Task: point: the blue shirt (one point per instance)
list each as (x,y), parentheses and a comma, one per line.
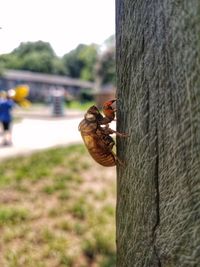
(6,106)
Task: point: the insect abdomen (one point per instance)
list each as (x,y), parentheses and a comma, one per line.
(99,151)
(102,158)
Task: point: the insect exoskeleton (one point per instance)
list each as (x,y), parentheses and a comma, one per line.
(97,139)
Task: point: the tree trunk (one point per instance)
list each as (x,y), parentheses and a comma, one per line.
(158,81)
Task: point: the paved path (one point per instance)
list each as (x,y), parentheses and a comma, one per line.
(39,130)
(33,134)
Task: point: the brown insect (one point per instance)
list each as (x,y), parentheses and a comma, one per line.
(97,137)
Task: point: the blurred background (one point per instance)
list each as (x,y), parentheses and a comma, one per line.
(57,206)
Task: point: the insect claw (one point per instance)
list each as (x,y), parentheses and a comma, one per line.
(122,134)
(109,103)
(125,135)
(108,111)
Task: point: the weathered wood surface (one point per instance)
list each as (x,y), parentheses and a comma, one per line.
(158,81)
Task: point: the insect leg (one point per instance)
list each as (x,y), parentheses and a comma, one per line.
(110,143)
(108,131)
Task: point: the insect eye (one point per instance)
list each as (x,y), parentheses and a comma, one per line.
(90,117)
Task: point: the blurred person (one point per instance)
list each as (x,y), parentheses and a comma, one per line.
(6,106)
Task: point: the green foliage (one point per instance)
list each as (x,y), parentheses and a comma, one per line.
(86,95)
(108,67)
(37,47)
(88,55)
(10,61)
(105,68)
(80,62)
(73,63)
(58,66)
(33,56)
(39,62)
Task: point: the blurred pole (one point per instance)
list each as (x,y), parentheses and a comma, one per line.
(58,102)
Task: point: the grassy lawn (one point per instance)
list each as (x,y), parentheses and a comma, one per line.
(57,208)
(79,106)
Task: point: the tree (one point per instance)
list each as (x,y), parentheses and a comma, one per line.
(105,66)
(88,55)
(38,62)
(34,56)
(29,47)
(79,63)
(158,81)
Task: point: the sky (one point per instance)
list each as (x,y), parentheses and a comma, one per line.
(63,23)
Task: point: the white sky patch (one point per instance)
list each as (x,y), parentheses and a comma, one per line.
(62,23)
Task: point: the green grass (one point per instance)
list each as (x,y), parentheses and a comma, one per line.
(79,106)
(40,165)
(57,209)
(12,215)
